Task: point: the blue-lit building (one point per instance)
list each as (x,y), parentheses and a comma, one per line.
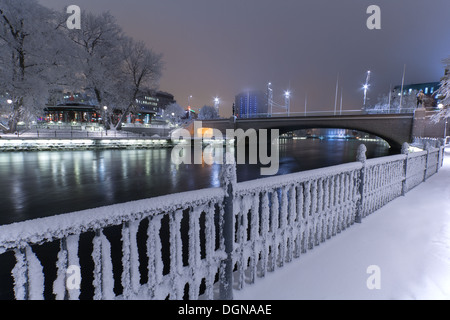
(429,89)
(251,104)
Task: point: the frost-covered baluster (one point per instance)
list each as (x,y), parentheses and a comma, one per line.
(240,241)
(353,194)
(67,256)
(243,231)
(20,275)
(319,215)
(155,264)
(176,254)
(346,198)
(337,191)
(265,213)
(274,218)
(103,272)
(210,242)
(194,251)
(28,275)
(361,157)
(228,214)
(326,208)
(292,230)
(254,237)
(62,263)
(341,201)
(300,221)
(306,215)
(333,206)
(283,224)
(130,259)
(312,216)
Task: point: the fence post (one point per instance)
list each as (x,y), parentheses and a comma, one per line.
(361,157)
(405,151)
(427,148)
(228,182)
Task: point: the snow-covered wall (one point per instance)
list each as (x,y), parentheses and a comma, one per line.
(274,220)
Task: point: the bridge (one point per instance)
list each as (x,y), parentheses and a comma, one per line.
(393,128)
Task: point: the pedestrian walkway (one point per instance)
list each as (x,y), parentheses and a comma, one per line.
(401,251)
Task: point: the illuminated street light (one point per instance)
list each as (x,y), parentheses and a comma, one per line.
(9,101)
(287,101)
(366,88)
(440,105)
(216,104)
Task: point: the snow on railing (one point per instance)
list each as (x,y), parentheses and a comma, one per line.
(206,243)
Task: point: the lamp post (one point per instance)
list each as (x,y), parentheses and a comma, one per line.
(105,120)
(287,101)
(217,104)
(366,88)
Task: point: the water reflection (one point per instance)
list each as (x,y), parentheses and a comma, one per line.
(47,183)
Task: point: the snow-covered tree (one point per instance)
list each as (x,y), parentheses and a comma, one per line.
(139,71)
(97,56)
(443,94)
(208,113)
(174,112)
(392,105)
(32,55)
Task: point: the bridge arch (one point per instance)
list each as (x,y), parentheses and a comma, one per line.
(395,129)
(392,143)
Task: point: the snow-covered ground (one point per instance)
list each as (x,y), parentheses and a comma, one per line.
(408,242)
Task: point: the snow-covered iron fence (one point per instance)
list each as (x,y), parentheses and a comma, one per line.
(207,243)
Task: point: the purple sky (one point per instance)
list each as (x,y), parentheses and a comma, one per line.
(222,47)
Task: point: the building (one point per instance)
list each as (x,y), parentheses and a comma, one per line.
(429,89)
(152,105)
(68,107)
(251,104)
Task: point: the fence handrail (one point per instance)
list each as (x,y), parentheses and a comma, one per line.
(291,178)
(38,231)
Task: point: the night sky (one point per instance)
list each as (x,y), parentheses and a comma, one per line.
(222,47)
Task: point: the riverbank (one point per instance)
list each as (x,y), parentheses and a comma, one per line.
(59,144)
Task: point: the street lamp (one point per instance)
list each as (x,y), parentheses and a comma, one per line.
(9,101)
(216,104)
(366,88)
(105,120)
(287,101)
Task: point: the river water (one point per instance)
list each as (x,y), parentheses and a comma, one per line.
(39,184)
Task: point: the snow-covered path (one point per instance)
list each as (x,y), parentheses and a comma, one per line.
(408,241)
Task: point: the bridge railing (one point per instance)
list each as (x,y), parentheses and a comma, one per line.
(205,243)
